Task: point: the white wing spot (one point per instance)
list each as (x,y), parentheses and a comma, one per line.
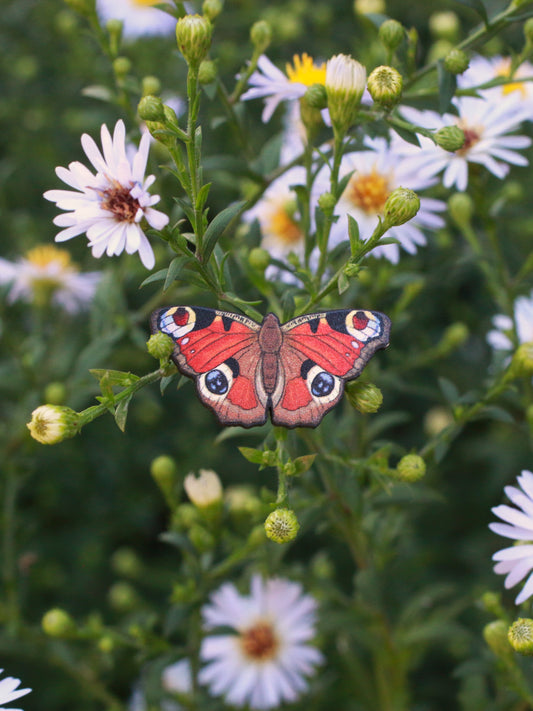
(184,341)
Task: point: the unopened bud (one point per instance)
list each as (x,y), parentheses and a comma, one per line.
(205,489)
(281,526)
(365,397)
(461,208)
(261,35)
(151,85)
(391,34)
(385,86)
(126,562)
(436,420)
(444,25)
(410,468)
(164,470)
(451,138)
(211,9)
(521,636)
(157,128)
(345,84)
(150,108)
(454,336)
(51,424)
(259,258)
(193,34)
(184,517)
(316,96)
(207,72)
(106,644)
(121,67)
(327,203)
(58,623)
(369,7)
(401,206)
(160,346)
(270,458)
(522,360)
(456,61)
(123,597)
(439,49)
(496,637)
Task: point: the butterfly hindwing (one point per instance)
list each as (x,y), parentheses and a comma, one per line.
(220,351)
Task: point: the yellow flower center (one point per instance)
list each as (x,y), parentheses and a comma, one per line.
(47,254)
(304,71)
(368,191)
(145,3)
(284,227)
(259,642)
(504,70)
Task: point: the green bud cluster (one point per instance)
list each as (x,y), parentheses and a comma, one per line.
(281,526)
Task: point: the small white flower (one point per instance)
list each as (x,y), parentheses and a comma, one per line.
(266,661)
(486,125)
(138,16)
(205,489)
(517,561)
(523,317)
(271,83)
(482,70)
(375,174)
(177,677)
(47,273)
(345,74)
(9,692)
(110,205)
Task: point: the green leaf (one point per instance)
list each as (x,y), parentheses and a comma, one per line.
(304,463)
(343,283)
(447,85)
(406,134)
(202,196)
(156,276)
(449,390)
(114,377)
(121,412)
(252,455)
(353,233)
(218,225)
(174,268)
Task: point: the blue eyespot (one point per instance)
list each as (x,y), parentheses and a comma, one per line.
(323,384)
(216,382)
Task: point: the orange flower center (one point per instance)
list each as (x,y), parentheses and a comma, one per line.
(472,136)
(259,642)
(284,226)
(304,71)
(119,201)
(368,191)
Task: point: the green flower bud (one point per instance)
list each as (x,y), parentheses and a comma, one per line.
(150,108)
(51,424)
(521,636)
(55,393)
(281,526)
(345,84)
(391,34)
(410,468)
(58,623)
(444,25)
(193,34)
(185,516)
(327,202)
(207,72)
(522,360)
(351,270)
(160,346)
(151,85)
(204,490)
(461,209)
(123,597)
(164,471)
(202,539)
(436,420)
(211,9)
(369,7)
(270,458)
(496,637)
(121,67)
(385,86)
(456,61)
(512,190)
(528,30)
(316,96)
(106,644)
(401,206)
(261,35)
(451,138)
(157,128)
(322,567)
(454,336)
(126,562)
(87,8)
(259,259)
(439,49)
(365,397)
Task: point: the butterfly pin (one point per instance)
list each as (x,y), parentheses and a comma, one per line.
(296,370)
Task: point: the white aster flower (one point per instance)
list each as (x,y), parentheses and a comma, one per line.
(9,692)
(265,662)
(110,205)
(486,125)
(205,489)
(271,83)
(376,172)
(139,17)
(517,561)
(46,274)
(482,70)
(523,319)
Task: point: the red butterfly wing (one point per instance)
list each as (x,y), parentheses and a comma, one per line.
(319,353)
(220,351)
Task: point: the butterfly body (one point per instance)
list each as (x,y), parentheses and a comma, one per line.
(296,371)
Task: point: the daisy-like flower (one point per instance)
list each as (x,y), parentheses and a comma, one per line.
(110,205)
(266,661)
(482,70)
(278,217)
(376,172)
(139,17)
(9,692)
(46,274)
(486,126)
(517,561)
(523,318)
(271,83)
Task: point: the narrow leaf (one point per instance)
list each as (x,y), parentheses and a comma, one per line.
(447,86)
(353,233)
(409,136)
(174,268)
(252,455)
(218,225)
(121,412)
(343,283)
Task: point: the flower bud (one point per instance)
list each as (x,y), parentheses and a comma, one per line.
(259,258)
(261,35)
(164,471)
(316,96)
(207,72)
(451,138)
(211,9)
(202,539)
(55,393)
(204,490)
(456,61)
(401,206)
(521,636)
(391,34)
(410,468)
(345,84)
(444,25)
(106,644)
(522,360)
(385,86)
(269,459)
(369,7)
(160,346)
(193,34)
(461,209)
(125,562)
(327,203)
(436,420)
(496,637)
(123,597)
(454,336)
(365,397)
(150,108)
(58,623)
(150,85)
(281,526)
(157,129)
(439,49)
(184,517)
(121,67)
(51,424)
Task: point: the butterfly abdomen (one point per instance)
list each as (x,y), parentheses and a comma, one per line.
(270,340)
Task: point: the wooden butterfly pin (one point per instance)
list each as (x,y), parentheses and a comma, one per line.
(296,370)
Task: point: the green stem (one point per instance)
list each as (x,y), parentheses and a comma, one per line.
(12,615)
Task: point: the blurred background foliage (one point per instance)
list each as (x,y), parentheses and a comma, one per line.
(85,500)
